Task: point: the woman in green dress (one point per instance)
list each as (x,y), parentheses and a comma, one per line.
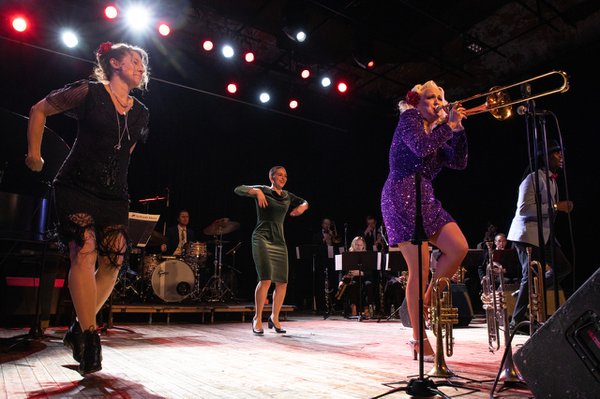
(269,249)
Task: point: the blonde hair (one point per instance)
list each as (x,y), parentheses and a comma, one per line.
(404,106)
(103,70)
(274,170)
(354,241)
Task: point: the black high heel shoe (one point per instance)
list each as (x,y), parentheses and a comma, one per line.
(272,325)
(72,339)
(256,330)
(91,360)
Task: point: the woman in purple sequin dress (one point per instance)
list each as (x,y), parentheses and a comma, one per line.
(424,143)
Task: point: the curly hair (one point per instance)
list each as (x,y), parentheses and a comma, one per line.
(103,70)
(405,103)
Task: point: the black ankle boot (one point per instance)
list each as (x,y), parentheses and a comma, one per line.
(72,339)
(91,360)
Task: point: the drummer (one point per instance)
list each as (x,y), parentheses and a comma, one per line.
(179,235)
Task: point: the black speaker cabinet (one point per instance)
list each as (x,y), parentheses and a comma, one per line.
(562,358)
(460,300)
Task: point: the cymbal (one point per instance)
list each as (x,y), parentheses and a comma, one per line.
(157,239)
(221,226)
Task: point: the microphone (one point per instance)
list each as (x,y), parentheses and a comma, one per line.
(523,110)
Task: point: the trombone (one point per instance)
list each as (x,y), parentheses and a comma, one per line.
(498,101)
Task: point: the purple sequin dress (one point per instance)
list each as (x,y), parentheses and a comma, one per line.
(414,151)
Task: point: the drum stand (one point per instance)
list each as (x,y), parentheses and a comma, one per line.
(215,289)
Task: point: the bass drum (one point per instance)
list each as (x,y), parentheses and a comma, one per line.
(173,281)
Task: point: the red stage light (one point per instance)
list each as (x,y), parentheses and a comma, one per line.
(19,24)
(305,73)
(371,64)
(207,45)
(249,56)
(232,88)
(111,12)
(293,104)
(164,29)
(342,87)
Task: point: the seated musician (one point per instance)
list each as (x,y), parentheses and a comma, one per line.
(179,235)
(350,284)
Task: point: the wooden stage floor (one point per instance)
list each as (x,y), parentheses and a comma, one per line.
(333,358)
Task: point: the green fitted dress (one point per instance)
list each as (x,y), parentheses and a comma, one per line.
(268,242)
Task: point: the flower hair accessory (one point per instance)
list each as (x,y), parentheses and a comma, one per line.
(104,48)
(412,98)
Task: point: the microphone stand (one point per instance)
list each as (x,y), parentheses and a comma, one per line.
(421,386)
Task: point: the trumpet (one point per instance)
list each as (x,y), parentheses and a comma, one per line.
(535,285)
(443,317)
(498,101)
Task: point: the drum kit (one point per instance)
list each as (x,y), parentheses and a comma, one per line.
(179,278)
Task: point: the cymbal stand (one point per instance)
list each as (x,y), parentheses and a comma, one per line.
(215,286)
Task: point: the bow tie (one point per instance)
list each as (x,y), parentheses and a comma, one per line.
(554,176)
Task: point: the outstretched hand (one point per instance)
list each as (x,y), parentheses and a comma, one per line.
(260,198)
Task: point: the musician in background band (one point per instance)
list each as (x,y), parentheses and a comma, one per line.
(179,235)
(328,234)
(500,243)
(426,140)
(90,190)
(524,227)
(371,235)
(351,281)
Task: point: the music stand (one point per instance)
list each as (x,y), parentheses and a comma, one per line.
(313,251)
(141,226)
(360,261)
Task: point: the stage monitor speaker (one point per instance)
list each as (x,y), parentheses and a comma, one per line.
(562,358)
(460,300)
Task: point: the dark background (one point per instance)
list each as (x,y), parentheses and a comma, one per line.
(201,146)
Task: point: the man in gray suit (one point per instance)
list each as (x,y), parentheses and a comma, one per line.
(523,230)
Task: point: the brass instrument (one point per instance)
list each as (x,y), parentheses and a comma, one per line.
(498,101)
(535,284)
(494,304)
(335,238)
(443,316)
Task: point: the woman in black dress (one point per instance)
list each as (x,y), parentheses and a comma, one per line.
(269,249)
(90,190)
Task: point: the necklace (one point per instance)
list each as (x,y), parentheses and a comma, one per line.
(121,134)
(126,105)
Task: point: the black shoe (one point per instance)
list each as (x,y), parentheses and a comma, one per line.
(272,325)
(91,360)
(257,331)
(72,339)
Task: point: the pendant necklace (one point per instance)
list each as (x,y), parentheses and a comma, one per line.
(121,134)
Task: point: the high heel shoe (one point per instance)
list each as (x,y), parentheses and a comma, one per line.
(256,330)
(72,339)
(272,325)
(414,344)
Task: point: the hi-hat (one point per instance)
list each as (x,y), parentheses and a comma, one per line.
(221,226)
(157,239)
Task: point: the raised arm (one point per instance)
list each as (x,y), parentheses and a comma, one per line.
(412,131)
(252,191)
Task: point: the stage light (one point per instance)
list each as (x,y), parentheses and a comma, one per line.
(69,39)
(111,12)
(207,45)
(342,87)
(137,17)
(295,21)
(19,24)
(293,104)
(228,51)
(264,97)
(300,36)
(164,29)
(232,88)
(326,82)
(305,73)
(249,56)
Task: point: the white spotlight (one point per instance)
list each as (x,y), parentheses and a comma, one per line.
(69,39)
(228,51)
(325,82)
(300,36)
(264,97)
(138,17)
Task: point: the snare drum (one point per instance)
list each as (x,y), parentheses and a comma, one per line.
(173,280)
